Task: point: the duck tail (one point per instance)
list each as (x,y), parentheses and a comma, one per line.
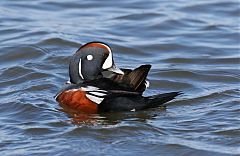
(159,99)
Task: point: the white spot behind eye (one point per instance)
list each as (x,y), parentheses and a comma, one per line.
(89,57)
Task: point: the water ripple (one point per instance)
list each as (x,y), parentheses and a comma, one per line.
(193,47)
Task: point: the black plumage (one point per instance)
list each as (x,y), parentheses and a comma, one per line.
(121,90)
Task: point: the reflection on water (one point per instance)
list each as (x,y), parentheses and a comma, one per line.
(107,119)
(192,46)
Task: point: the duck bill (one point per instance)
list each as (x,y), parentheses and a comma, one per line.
(115,69)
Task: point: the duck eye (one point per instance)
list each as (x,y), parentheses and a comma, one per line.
(89,57)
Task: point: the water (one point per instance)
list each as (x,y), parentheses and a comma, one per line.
(193,46)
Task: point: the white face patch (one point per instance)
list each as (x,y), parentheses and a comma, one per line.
(80,68)
(89,57)
(108,62)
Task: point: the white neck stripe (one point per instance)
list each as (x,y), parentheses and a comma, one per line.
(80,68)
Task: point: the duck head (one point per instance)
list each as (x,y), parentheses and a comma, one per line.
(90,60)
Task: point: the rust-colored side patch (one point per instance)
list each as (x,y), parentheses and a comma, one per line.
(76,100)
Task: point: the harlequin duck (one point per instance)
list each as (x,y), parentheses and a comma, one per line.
(100,51)
(90,92)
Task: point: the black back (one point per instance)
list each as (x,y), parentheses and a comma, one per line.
(135,79)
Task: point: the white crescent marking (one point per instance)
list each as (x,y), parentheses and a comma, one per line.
(108,62)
